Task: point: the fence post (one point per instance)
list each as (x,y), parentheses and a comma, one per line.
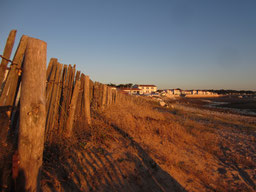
(32,116)
(87,99)
(104,96)
(72,109)
(7,54)
(53,101)
(12,81)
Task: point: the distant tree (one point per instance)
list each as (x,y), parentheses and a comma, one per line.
(111,85)
(128,85)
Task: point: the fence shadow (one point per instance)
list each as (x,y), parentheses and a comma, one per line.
(99,169)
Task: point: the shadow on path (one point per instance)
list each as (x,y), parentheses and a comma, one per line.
(102,169)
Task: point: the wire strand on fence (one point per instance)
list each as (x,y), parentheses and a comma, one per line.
(12,63)
(19,70)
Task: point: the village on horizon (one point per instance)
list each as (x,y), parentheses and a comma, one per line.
(151,90)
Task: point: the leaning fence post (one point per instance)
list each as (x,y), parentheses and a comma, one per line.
(7,54)
(32,116)
(12,81)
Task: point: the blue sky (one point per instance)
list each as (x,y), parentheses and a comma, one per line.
(190,44)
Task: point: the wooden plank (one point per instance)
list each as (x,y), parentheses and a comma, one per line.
(81,111)
(111,96)
(69,89)
(70,84)
(95,94)
(107,96)
(7,54)
(50,68)
(115,96)
(104,96)
(70,120)
(87,100)
(78,113)
(51,109)
(77,76)
(49,88)
(12,82)
(98,98)
(7,99)
(56,111)
(32,116)
(50,79)
(63,98)
(91,90)
(100,95)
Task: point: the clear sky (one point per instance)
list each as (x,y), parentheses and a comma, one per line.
(187,44)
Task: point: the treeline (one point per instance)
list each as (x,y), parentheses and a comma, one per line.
(128,85)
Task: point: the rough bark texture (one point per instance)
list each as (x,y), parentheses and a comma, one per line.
(32,116)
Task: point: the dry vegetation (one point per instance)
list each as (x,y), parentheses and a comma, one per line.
(135,145)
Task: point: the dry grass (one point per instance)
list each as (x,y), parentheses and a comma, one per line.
(188,143)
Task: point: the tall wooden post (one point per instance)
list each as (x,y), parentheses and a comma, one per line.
(7,54)
(32,116)
(87,99)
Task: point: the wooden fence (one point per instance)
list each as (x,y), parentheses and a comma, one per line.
(36,104)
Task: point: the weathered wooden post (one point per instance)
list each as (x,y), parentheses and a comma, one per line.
(50,68)
(72,109)
(32,116)
(7,54)
(6,102)
(104,96)
(109,96)
(87,99)
(11,84)
(91,91)
(62,118)
(53,101)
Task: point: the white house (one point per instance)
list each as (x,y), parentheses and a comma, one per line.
(170,91)
(146,89)
(177,91)
(187,92)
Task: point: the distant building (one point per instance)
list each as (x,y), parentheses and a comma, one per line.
(187,92)
(146,89)
(173,91)
(170,91)
(132,91)
(177,91)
